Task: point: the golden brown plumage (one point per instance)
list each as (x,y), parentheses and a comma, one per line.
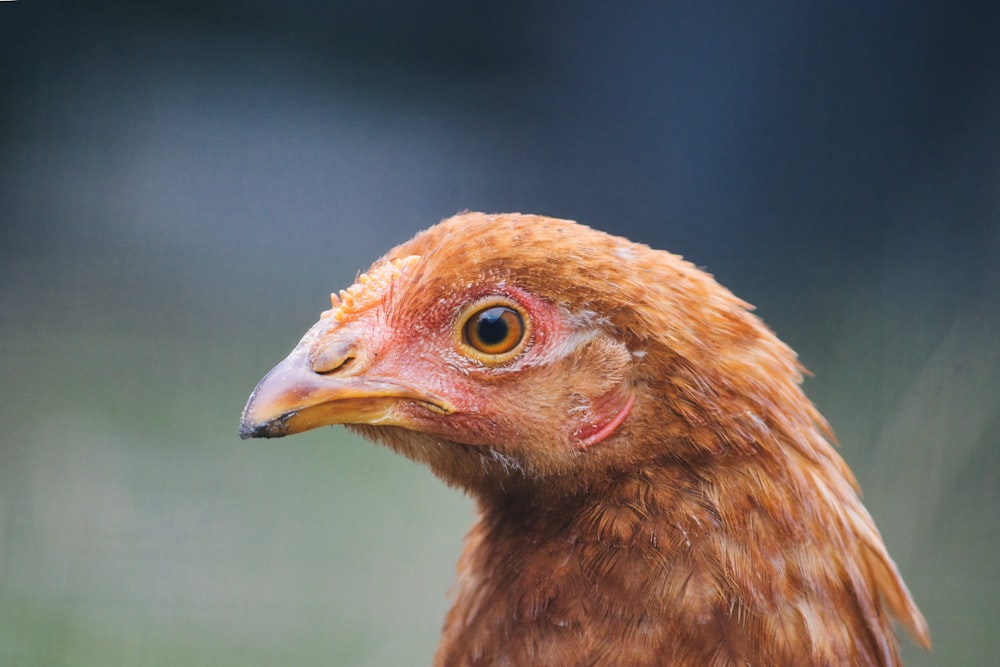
(653,486)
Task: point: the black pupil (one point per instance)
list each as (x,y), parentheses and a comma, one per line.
(491,326)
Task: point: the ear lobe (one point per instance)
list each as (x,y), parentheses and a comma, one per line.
(604,416)
(600,372)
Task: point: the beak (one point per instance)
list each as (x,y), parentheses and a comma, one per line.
(294,397)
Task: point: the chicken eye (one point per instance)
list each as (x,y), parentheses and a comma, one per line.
(493,330)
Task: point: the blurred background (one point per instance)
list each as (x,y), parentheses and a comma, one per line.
(183,184)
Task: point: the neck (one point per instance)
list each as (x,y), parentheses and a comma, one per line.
(659,565)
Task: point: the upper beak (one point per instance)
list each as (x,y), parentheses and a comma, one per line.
(294,397)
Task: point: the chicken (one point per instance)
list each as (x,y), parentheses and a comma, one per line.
(653,487)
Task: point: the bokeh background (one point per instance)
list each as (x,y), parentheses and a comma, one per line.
(182,185)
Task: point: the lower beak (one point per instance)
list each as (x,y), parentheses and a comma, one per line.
(293,398)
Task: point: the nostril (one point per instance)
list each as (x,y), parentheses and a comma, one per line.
(344,364)
(333,358)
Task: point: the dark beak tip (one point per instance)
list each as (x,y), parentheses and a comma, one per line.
(276,428)
(248,430)
(265,430)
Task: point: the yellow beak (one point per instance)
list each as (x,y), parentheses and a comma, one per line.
(293,398)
